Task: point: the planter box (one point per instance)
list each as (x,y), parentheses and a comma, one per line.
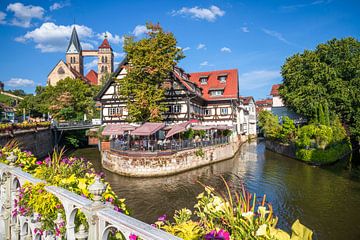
(93,140)
(105,146)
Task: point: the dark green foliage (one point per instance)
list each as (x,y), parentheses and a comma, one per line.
(189,134)
(326,114)
(70,99)
(321,115)
(329,74)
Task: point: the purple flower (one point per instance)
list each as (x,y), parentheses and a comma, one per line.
(162,218)
(133,237)
(220,235)
(38,162)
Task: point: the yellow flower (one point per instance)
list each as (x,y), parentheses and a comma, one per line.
(261,230)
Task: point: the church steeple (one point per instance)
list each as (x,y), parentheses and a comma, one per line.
(74,44)
(74,56)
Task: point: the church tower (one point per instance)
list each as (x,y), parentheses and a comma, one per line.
(105,60)
(74,53)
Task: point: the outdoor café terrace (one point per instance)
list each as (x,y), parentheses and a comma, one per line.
(156,139)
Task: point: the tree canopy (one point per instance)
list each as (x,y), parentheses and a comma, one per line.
(151,60)
(328,75)
(70,99)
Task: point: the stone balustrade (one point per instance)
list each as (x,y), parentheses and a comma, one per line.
(101,218)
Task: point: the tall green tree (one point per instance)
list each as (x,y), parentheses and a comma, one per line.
(151,60)
(330,73)
(70,99)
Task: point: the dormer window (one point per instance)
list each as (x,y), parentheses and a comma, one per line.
(222,78)
(203,80)
(216,92)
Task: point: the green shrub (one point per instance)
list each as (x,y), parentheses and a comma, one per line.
(329,155)
(287,132)
(269,124)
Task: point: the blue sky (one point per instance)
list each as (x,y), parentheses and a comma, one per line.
(253,36)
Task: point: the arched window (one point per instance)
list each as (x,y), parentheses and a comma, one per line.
(105,59)
(105,68)
(102,68)
(61,70)
(102,59)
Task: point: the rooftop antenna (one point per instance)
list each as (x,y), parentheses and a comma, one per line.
(74,21)
(105,35)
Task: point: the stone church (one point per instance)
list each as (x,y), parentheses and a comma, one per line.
(74,65)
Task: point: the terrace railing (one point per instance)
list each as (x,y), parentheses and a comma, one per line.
(101,217)
(163,146)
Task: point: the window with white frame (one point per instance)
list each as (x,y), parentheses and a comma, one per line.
(207,112)
(216,92)
(222,78)
(224,111)
(115,111)
(203,80)
(177,108)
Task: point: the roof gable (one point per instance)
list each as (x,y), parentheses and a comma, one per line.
(92,77)
(105,44)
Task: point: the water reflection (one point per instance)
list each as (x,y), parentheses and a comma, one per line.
(325,199)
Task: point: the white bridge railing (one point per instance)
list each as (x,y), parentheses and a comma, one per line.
(102,219)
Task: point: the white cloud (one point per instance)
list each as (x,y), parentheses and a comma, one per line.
(23,15)
(50,37)
(209,14)
(225,49)
(276,35)
(115,39)
(205,63)
(245,29)
(91,65)
(201,46)
(140,30)
(59,5)
(20,82)
(186,49)
(86,45)
(258,79)
(2,18)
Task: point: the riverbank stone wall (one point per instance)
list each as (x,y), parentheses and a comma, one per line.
(39,142)
(288,150)
(167,165)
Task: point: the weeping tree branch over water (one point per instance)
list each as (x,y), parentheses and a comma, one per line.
(151,60)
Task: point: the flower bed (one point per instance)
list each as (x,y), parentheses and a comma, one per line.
(5,127)
(230,215)
(71,173)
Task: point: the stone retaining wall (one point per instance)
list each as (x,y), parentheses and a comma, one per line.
(39,142)
(167,165)
(288,150)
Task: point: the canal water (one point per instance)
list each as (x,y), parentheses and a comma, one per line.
(326,199)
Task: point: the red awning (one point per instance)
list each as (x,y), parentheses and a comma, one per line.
(148,129)
(178,128)
(117,129)
(202,127)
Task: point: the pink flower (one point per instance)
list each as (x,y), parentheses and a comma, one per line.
(220,235)
(162,218)
(133,237)
(38,162)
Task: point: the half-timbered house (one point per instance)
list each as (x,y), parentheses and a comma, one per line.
(210,97)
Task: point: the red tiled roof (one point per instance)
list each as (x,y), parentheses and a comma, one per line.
(275,90)
(264,102)
(105,44)
(79,75)
(92,76)
(246,100)
(231,86)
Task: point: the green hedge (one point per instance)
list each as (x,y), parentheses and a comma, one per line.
(329,155)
